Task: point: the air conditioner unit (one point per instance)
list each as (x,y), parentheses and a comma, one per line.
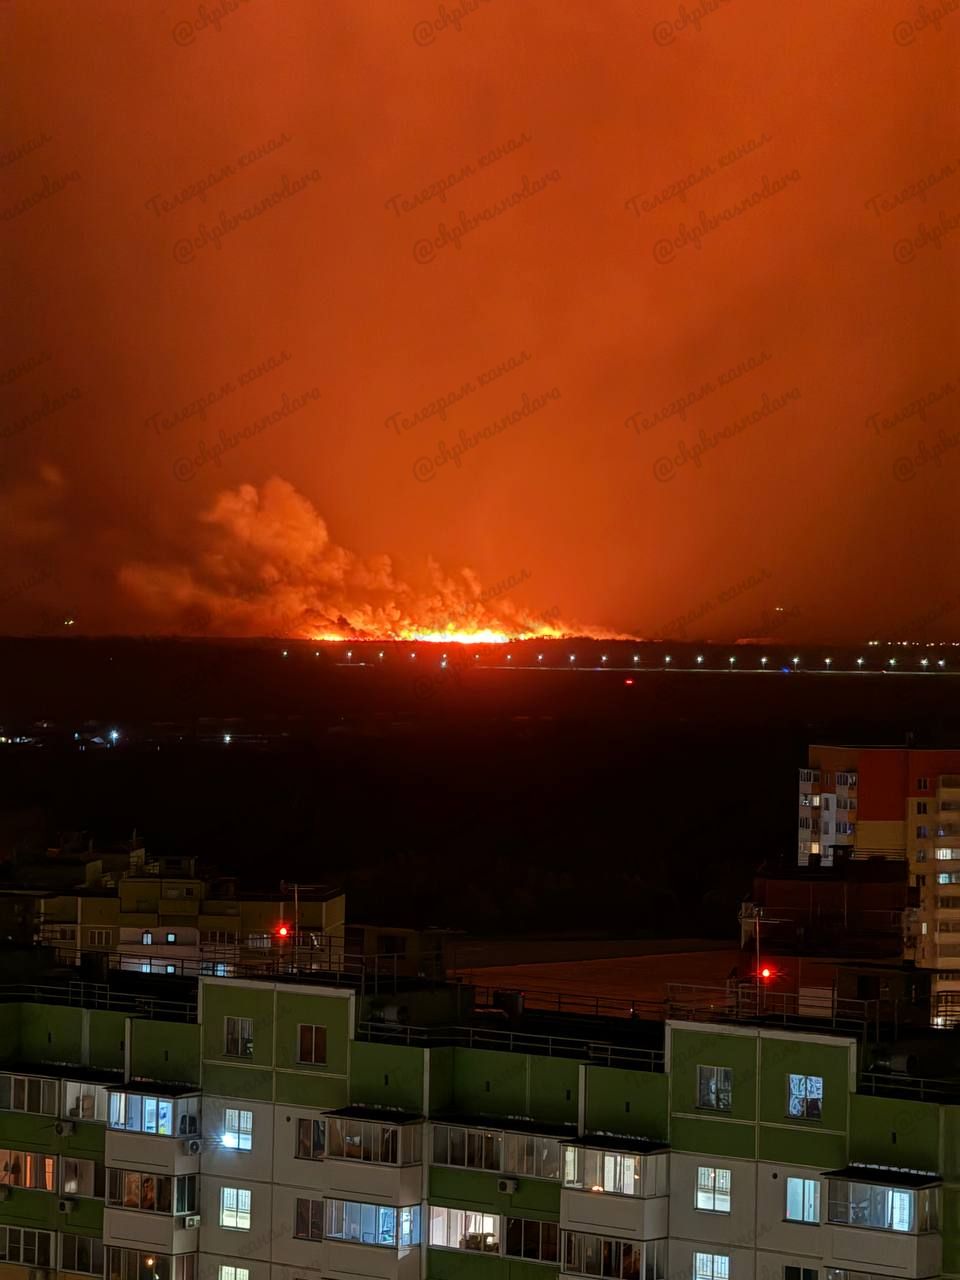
(192,1147)
(63,1128)
(5,1192)
(507,1186)
(66,1206)
(190,1221)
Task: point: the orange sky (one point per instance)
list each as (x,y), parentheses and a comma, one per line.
(801,249)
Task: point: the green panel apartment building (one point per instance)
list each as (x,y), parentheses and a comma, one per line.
(233,1129)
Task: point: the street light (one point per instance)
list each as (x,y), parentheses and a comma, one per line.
(828,661)
(731,661)
(666,660)
(699,658)
(893,662)
(763,662)
(859,662)
(795,663)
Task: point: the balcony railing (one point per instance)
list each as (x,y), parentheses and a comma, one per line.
(744,1002)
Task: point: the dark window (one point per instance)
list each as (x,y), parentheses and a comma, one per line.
(312,1044)
(311,1135)
(308,1224)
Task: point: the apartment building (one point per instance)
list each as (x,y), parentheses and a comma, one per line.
(899,804)
(241,1129)
(157,915)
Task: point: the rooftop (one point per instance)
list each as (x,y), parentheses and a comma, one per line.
(885,1175)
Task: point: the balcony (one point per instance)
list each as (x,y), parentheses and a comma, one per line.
(149,1232)
(343,1261)
(620,1190)
(154,1133)
(881,1252)
(883,1221)
(371,1153)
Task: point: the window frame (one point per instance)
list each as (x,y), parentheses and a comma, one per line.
(805,1183)
(804,1097)
(243,1133)
(710,1189)
(312,1028)
(713,1272)
(238,1212)
(235,1035)
(717,1090)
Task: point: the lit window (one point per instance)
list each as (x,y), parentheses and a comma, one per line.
(946,855)
(713,1189)
(171,937)
(233,1273)
(803,1200)
(464,1229)
(238,1129)
(715,1088)
(864,1204)
(711,1266)
(377,1224)
(146,938)
(614,1172)
(235,1208)
(805,1099)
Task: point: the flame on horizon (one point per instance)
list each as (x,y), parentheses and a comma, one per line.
(266,565)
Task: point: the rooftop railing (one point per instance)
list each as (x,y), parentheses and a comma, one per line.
(97,995)
(510,1041)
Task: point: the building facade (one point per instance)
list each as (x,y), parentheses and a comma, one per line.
(901,804)
(252,1130)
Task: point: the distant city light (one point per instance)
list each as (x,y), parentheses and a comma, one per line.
(796,661)
(828,661)
(603,658)
(699,658)
(731,661)
(924,662)
(114,735)
(636,657)
(283,654)
(227,738)
(859,662)
(893,662)
(763,662)
(667,659)
(539,657)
